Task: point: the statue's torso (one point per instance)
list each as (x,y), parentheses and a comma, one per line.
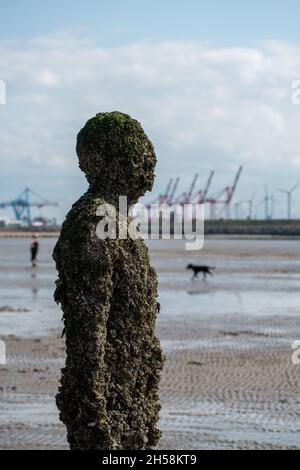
(108,293)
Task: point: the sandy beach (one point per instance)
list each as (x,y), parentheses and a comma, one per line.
(229,381)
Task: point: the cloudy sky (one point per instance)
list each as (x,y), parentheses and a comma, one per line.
(211,83)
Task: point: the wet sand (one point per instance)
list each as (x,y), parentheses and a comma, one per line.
(228,382)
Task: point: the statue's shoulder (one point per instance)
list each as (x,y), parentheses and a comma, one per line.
(79,228)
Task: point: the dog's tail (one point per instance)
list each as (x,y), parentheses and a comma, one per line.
(212,267)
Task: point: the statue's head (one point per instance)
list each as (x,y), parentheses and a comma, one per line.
(116,156)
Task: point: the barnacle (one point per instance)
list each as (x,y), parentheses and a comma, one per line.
(108,396)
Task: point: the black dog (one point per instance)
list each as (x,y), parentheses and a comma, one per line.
(200,269)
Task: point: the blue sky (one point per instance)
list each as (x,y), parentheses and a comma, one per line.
(225,22)
(209,81)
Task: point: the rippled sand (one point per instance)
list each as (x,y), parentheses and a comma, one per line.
(228,383)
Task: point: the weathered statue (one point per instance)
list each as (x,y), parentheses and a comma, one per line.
(108,398)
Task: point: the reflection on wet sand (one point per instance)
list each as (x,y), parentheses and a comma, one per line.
(229,381)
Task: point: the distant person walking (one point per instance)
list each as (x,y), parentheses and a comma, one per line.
(34,248)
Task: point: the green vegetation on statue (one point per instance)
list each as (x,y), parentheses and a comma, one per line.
(116,156)
(108,397)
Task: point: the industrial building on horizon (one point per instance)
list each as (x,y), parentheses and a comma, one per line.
(218,205)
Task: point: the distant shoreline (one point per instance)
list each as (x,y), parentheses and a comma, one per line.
(208,235)
(254,228)
(28,233)
(289,229)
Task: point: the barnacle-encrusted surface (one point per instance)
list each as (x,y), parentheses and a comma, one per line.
(116,156)
(108,398)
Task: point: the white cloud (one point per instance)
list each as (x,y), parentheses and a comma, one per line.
(47,78)
(204,107)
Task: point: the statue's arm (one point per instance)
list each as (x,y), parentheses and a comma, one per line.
(85,268)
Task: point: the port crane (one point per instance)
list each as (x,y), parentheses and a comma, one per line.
(224,197)
(201,195)
(185,198)
(170,198)
(22,205)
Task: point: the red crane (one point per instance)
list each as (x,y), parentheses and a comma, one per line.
(230,192)
(162,197)
(185,198)
(173,191)
(201,195)
(224,197)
